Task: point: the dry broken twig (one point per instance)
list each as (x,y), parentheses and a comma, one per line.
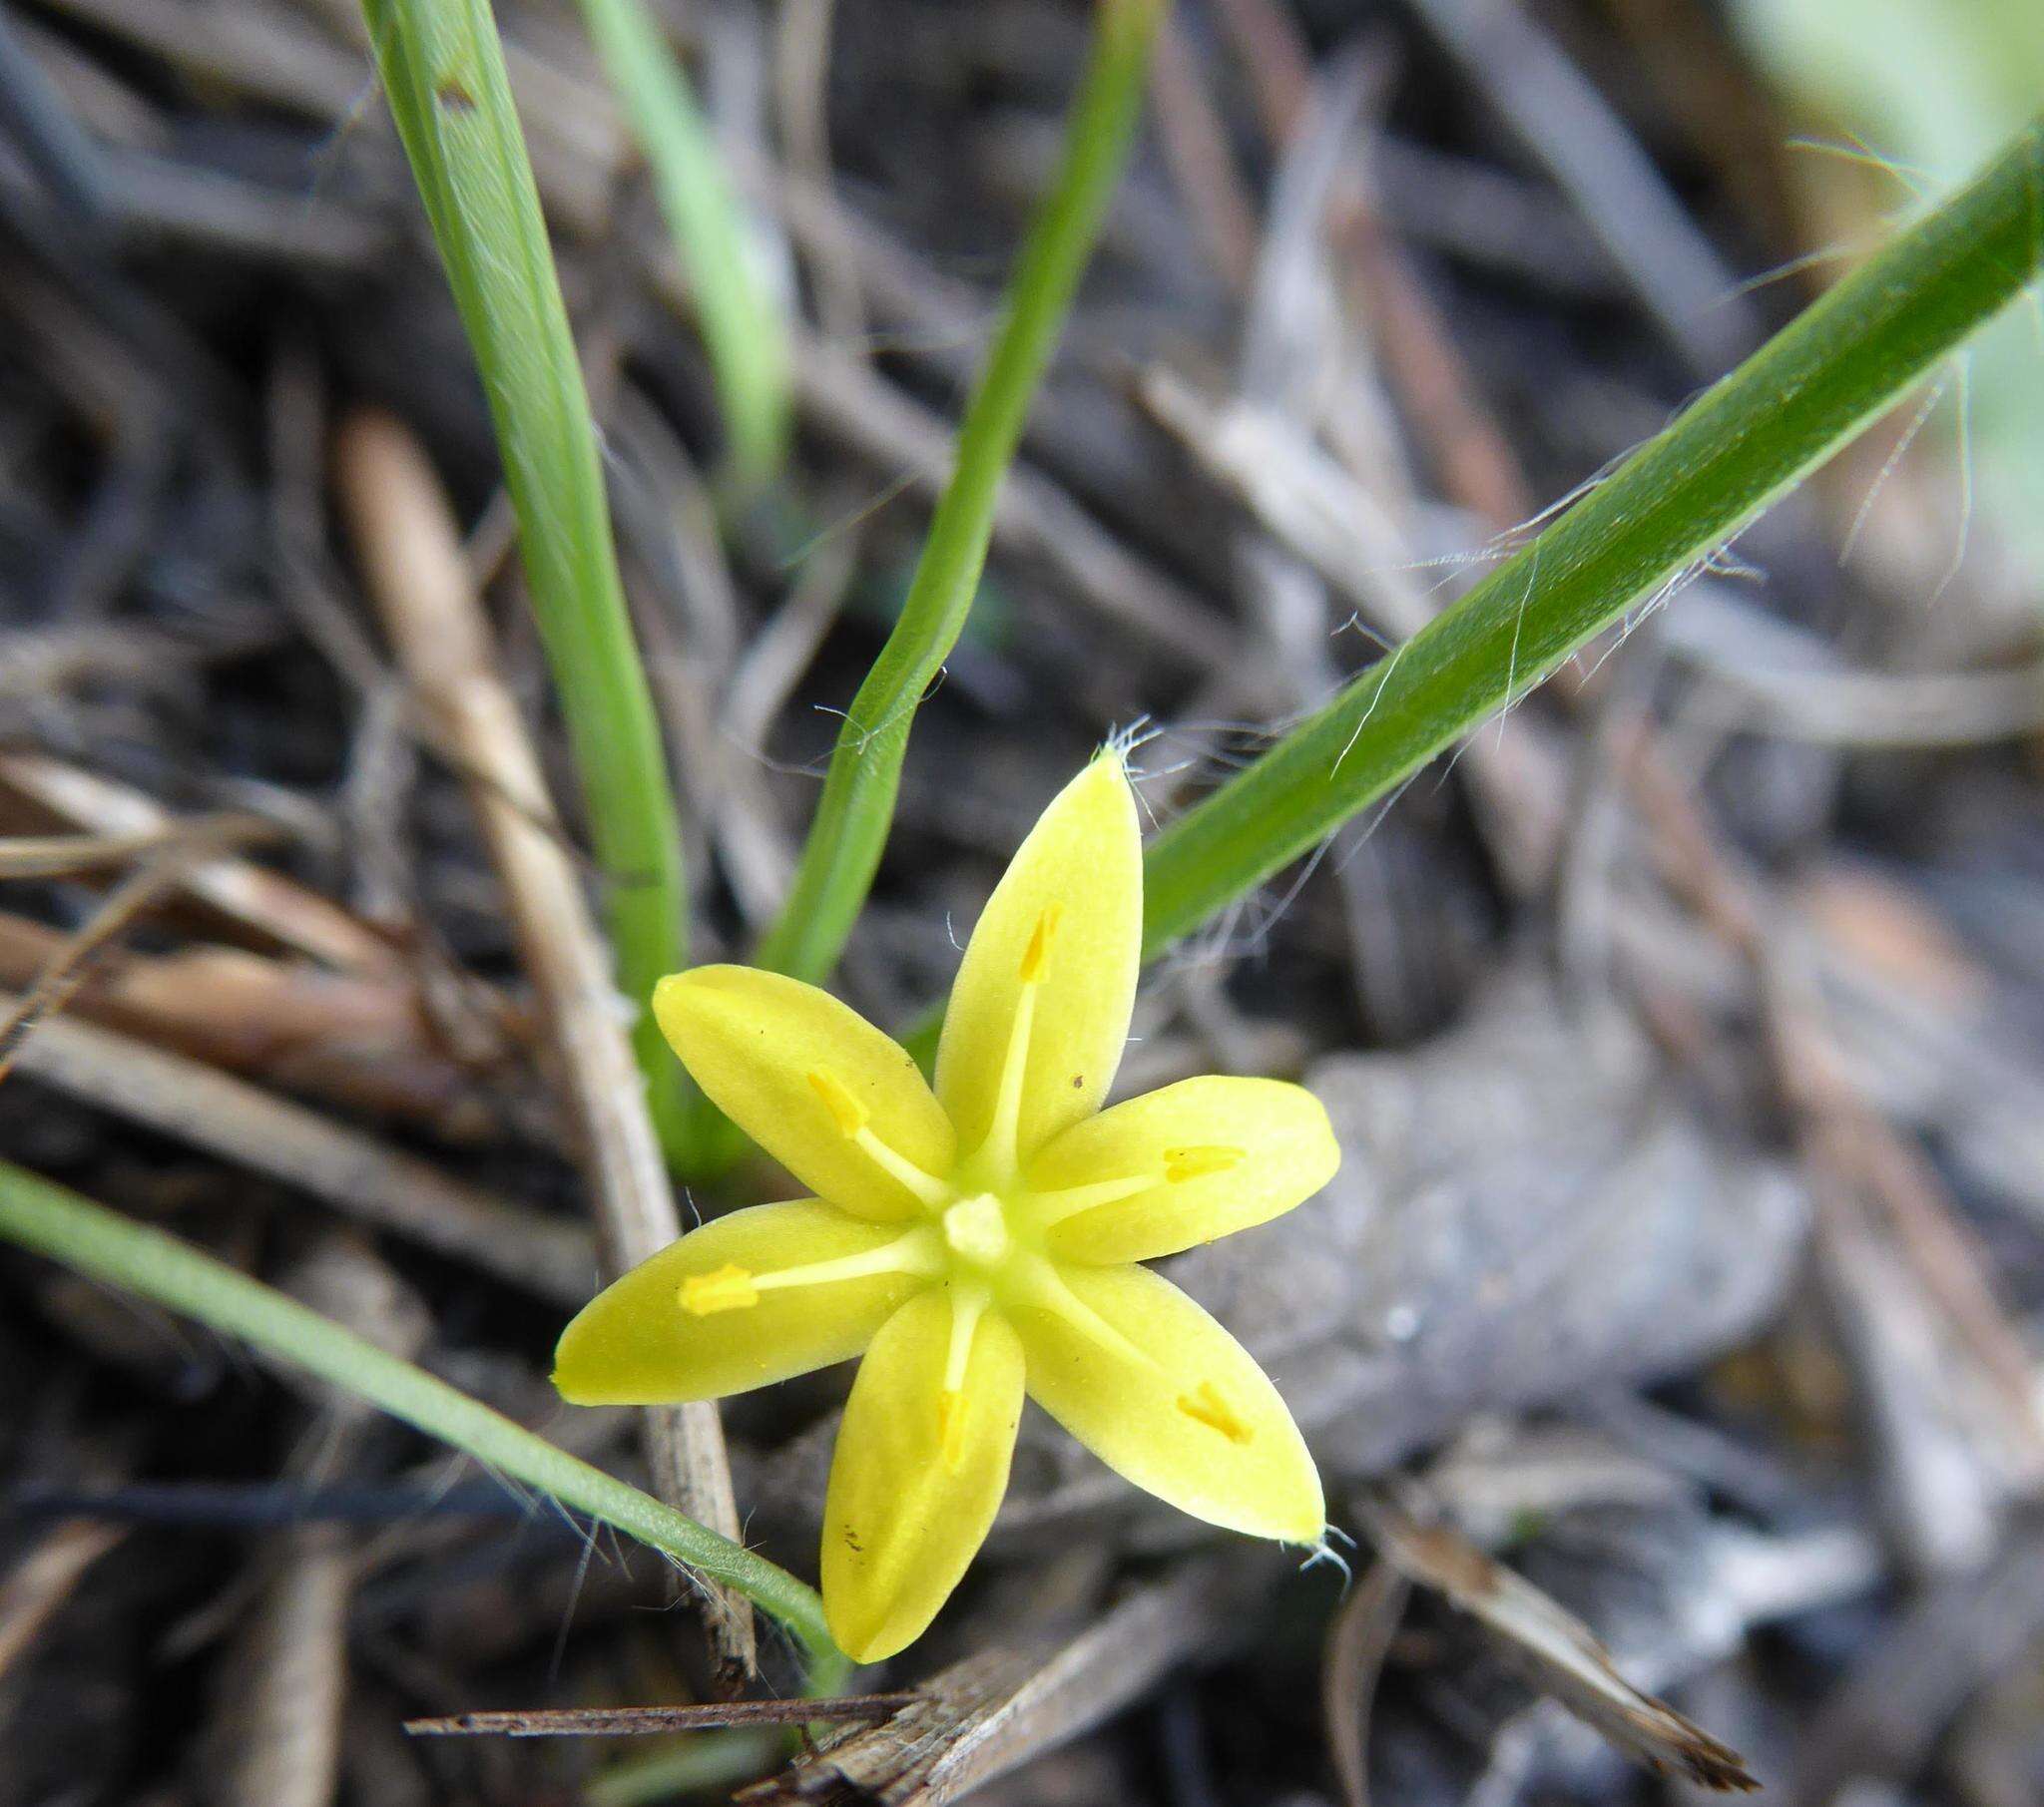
(636,1721)
(42,1580)
(276,910)
(360,1040)
(1359,1639)
(71,960)
(1556,1651)
(983,1716)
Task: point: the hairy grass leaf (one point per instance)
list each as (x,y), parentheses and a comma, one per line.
(1673,504)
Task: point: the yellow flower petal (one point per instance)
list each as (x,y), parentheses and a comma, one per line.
(919,1471)
(1163,1396)
(636,1343)
(1226,1153)
(1068,917)
(835,1102)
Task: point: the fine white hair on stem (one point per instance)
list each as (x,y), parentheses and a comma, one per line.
(1376,697)
(1911,177)
(849,521)
(1964,360)
(907,706)
(1896,454)
(1532,584)
(582,1562)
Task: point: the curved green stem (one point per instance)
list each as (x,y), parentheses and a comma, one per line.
(1673,504)
(845,840)
(90,1240)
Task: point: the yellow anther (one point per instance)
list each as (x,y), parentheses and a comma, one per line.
(1180,1164)
(952,1429)
(1039,943)
(1206,1404)
(846,1110)
(730,1289)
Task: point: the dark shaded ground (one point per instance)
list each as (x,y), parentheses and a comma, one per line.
(1684,1035)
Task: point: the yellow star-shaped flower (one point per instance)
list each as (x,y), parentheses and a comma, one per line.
(978,1240)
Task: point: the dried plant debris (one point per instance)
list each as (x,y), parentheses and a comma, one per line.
(1555,1650)
(647,1722)
(984,1716)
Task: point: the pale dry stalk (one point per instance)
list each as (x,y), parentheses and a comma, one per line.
(411,555)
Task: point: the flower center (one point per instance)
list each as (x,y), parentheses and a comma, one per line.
(965,1240)
(976,1231)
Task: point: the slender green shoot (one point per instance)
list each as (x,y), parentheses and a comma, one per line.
(1666,511)
(92,1240)
(845,840)
(741,319)
(443,73)
(697,1764)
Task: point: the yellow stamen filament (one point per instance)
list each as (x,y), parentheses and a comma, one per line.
(846,1112)
(1206,1404)
(1000,1136)
(1046,1209)
(1041,1286)
(1031,969)
(951,1430)
(968,1304)
(1180,1164)
(854,1123)
(733,1288)
(730,1289)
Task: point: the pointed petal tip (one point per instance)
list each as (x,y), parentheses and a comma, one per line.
(677,990)
(1300,1520)
(571,1390)
(868,1644)
(1109,769)
(583,1390)
(1311,1527)
(672,997)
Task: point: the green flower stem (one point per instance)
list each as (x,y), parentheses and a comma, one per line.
(695,1764)
(741,326)
(1676,501)
(443,73)
(92,1240)
(843,849)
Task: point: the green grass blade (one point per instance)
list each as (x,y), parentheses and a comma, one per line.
(845,840)
(741,321)
(1738,446)
(443,72)
(90,1239)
